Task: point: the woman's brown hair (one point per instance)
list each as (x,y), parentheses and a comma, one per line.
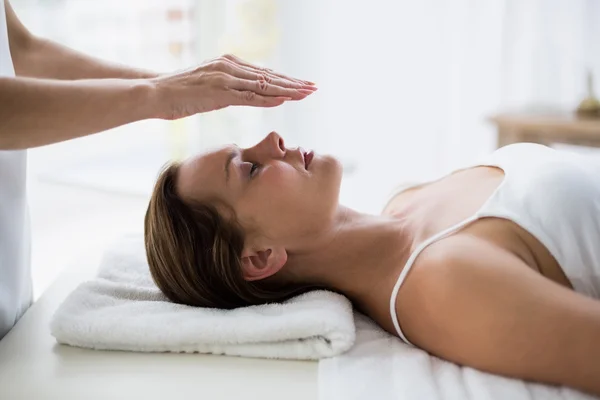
(194,253)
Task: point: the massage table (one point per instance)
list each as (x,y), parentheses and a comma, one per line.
(34,366)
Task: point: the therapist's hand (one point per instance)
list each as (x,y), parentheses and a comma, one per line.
(222,82)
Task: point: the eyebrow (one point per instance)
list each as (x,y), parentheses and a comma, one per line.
(230,156)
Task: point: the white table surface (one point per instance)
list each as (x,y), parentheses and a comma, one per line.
(34,366)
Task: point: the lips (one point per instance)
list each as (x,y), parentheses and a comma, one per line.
(308,156)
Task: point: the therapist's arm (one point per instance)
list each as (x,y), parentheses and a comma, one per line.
(36,112)
(37,57)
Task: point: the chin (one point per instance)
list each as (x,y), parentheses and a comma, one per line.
(327,169)
(332,171)
(337,167)
(331,163)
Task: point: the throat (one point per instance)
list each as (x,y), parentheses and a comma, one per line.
(361,260)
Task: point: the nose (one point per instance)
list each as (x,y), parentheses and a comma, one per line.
(272,146)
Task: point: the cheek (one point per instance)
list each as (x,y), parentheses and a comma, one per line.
(275,198)
(281,183)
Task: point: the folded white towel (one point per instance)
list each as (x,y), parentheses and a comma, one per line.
(122,309)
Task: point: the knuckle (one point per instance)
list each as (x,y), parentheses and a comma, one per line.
(209,66)
(248,95)
(220,78)
(262,84)
(266,78)
(220,65)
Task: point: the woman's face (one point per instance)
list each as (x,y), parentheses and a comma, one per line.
(280,196)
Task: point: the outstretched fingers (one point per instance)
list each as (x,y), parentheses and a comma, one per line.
(264,88)
(251,98)
(266,71)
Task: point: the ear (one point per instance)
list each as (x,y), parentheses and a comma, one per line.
(260,264)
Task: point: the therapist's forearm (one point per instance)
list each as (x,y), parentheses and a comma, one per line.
(37,112)
(42,58)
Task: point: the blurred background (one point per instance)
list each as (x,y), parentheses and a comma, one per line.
(407,90)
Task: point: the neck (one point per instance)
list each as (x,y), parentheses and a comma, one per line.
(357,256)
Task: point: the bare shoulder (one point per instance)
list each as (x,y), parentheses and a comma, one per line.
(448,273)
(476,304)
(455,258)
(443,268)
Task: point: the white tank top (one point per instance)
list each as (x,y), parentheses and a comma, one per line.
(555,196)
(15,273)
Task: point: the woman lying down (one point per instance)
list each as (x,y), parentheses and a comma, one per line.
(495,266)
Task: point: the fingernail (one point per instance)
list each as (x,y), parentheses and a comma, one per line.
(307,87)
(309,83)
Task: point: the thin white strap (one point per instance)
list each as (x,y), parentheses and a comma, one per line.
(409,264)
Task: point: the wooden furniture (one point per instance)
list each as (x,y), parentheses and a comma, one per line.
(547,127)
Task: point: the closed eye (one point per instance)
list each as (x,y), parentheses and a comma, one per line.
(254,167)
